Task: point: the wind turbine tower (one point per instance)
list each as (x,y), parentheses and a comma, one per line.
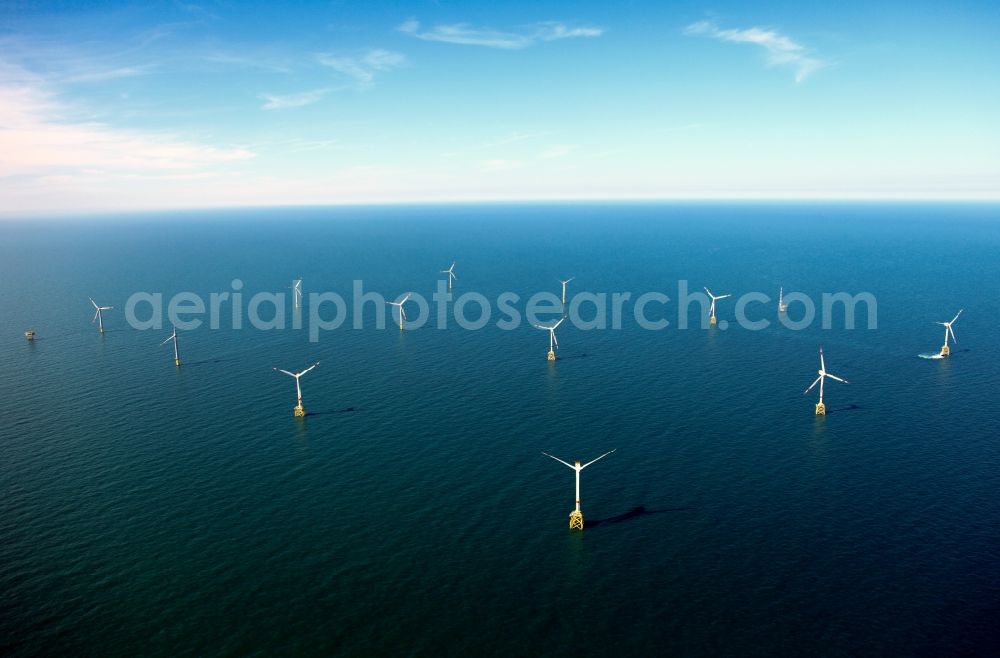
(177,355)
(451,274)
(564,288)
(300,411)
(98,317)
(402,313)
(711,310)
(553,343)
(576,516)
(945,350)
(823,374)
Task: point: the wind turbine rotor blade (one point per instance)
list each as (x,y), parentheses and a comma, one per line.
(170,338)
(559,323)
(93,302)
(96,313)
(837,378)
(559,460)
(554,339)
(822,363)
(709,293)
(956,316)
(290,374)
(952,332)
(724,296)
(599,458)
(812,385)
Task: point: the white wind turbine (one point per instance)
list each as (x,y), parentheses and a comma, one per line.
(296,293)
(576,516)
(823,374)
(945,350)
(402,313)
(451,274)
(782,306)
(553,343)
(711,310)
(173,337)
(299,409)
(564,287)
(97,314)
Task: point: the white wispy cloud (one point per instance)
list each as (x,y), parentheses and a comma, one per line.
(499,164)
(286,101)
(299,145)
(364,68)
(780,49)
(273,64)
(468,35)
(102,75)
(556,151)
(37,140)
(512,138)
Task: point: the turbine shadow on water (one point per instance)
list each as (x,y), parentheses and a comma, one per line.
(850,407)
(328,413)
(634,513)
(206,362)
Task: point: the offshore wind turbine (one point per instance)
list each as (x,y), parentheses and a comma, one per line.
(296,294)
(576,516)
(782,306)
(97,314)
(711,310)
(402,313)
(299,409)
(823,374)
(945,350)
(451,274)
(564,287)
(173,337)
(553,343)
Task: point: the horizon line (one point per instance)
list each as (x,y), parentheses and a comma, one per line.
(54,213)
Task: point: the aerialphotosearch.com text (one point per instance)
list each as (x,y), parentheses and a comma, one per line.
(328,311)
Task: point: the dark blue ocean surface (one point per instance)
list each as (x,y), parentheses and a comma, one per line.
(149,509)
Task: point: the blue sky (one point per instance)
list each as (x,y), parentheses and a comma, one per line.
(114,106)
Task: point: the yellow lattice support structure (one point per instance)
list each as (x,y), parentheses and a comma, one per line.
(300,411)
(945,350)
(712,321)
(820,409)
(576,520)
(552,355)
